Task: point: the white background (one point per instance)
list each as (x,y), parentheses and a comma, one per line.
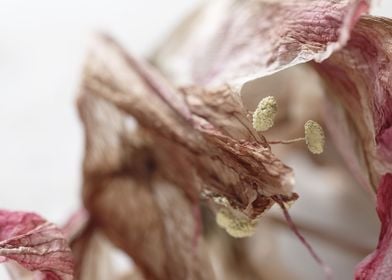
(42,45)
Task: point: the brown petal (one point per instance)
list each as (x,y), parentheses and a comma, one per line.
(215,146)
(143,179)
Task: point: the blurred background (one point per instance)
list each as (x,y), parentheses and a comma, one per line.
(42,46)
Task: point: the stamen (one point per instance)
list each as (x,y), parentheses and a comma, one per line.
(235,225)
(287,141)
(264,115)
(314,137)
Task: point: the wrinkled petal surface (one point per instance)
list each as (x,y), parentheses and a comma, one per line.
(378,265)
(232,41)
(35,244)
(359,77)
(152,149)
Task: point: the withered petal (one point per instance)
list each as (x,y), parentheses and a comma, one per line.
(35,244)
(193,139)
(152,150)
(378,265)
(359,78)
(216,145)
(234,41)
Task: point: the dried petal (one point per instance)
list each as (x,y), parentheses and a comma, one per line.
(218,138)
(35,244)
(234,41)
(197,139)
(264,115)
(187,141)
(378,265)
(314,137)
(359,77)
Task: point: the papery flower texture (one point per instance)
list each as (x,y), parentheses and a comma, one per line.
(166,136)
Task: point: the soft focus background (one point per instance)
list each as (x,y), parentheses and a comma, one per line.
(42,45)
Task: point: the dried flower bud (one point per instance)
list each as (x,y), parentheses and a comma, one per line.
(314,137)
(235,225)
(263,116)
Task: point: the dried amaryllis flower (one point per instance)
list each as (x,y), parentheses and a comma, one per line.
(355,54)
(193,135)
(36,245)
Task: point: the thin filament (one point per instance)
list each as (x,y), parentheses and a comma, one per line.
(287,141)
(327,269)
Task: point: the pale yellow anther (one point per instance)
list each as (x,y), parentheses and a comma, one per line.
(221,200)
(264,115)
(235,225)
(314,137)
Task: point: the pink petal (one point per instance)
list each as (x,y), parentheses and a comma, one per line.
(234,41)
(378,265)
(359,76)
(35,244)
